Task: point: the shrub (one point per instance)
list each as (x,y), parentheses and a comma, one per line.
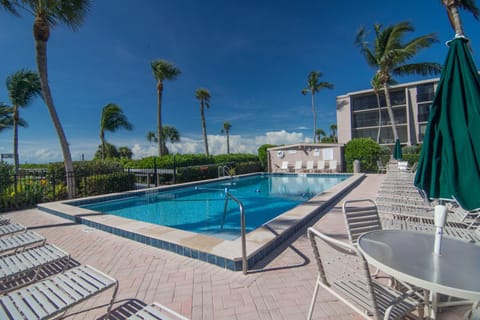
(263,155)
(364,149)
(107,183)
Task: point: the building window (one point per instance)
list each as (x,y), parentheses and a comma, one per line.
(398,97)
(425,92)
(423,112)
(364,102)
(421,131)
(386,134)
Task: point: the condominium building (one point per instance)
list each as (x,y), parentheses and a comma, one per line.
(363,114)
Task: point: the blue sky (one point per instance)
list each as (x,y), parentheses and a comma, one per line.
(253,57)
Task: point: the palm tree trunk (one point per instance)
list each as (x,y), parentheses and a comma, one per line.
(204,128)
(379,117)
(15,138)
(102,139)
(314,117)
(41,57)
(161,143)
(390,111)
(454,16)
(228,143)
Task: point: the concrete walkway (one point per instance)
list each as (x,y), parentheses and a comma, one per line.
(279,287)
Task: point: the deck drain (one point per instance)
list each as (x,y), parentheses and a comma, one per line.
(88,229)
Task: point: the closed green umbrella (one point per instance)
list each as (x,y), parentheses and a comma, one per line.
(449,165)
(397,150)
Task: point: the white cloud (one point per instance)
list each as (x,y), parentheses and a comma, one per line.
(51,152)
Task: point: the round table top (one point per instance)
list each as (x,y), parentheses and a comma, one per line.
(408,256)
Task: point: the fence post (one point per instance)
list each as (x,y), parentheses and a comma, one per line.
(155,171)
(174,169)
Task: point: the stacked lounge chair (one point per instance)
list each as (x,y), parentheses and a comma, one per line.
(24,253)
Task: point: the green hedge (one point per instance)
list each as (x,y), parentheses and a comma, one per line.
(366,151)
(107,183)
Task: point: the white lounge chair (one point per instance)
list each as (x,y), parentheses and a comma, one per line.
(55,295)
(284,166)
(20,241)
(309,167)
(332,166)
(344,272)
(12,228)
(26,265)
(321,165)
(298,165)
(156,311)
(4,220)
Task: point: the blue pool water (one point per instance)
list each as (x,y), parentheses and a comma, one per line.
(201,208)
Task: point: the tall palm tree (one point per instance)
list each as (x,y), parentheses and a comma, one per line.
(376,85)
(453,15)
(333,128)
(162,70)
(48,14)
(203,95)
(22,86)
(319,133)
(170,134)
(389,56)
(226,129)
(111,120)
(314,86)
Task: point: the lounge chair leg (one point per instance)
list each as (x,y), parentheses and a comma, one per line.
(314,298)
(115,290)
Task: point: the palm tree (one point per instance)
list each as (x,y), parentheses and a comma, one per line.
(453,15)
(226,129)
(125,152)
(170,134)
(111,120)
(203,95)
(389,56)
(162,70)
(319,133)
(333,128)
(6,116)
(48,14)
(22,86)
(376,85)
(314,86)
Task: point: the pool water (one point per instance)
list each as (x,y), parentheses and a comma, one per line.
(200,208)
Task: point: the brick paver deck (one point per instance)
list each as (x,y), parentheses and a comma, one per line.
(279,287)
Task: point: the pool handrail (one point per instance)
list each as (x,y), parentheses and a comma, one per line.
(242,222)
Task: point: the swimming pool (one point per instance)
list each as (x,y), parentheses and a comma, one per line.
(224,253)
(206,208)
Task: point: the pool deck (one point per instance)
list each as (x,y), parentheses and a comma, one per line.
(278,287)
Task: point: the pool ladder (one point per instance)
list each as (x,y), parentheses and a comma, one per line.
(228,196)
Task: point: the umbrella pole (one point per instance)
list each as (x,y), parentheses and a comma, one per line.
(440,219)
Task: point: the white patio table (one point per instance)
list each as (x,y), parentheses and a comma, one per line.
(408,256)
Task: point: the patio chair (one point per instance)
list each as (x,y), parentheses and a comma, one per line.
(332,166)
(12,228)
(4,221)
(298,165)
(360,216)
(156,311)
(53,296)
(284,166)
(309,167)
(343,271)
(381,168)
(20,241)
(20,269)
(321,165)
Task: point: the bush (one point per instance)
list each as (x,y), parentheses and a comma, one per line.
(107,183)
(364,149)
(263,155)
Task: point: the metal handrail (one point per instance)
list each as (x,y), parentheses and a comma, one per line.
(242,228)
(242,222)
